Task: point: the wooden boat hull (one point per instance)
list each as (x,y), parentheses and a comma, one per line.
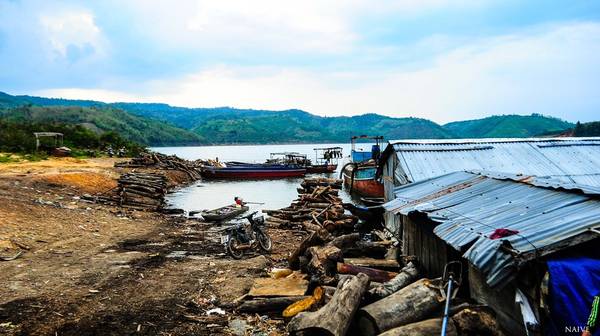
(214,215)
(321,168)
(251,173)
(364,182)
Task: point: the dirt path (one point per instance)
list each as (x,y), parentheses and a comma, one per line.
(90,269)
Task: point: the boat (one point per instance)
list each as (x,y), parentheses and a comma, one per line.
(253,171)
(359,174)
(223,213)
(326,160)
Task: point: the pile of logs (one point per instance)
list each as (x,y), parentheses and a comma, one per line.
(162,161)
(318,207)
(142,190)
(364,283)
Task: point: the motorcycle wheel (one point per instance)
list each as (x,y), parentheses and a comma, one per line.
(232,245)
(264,241)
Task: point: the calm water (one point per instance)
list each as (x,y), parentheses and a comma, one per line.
(210,194)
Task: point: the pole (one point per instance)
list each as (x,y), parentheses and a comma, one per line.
(447,306)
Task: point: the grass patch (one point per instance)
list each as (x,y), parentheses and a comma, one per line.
(8,158)
(35,157)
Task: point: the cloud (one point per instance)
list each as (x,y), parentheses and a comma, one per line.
(49,44)
(551,70)
(71,35)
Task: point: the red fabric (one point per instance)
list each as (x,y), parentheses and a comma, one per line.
(501,233)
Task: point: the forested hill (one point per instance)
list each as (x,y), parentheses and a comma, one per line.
(508,126)
(162,124)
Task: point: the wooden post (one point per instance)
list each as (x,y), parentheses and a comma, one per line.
(410,304)
(407,275)
(334,318)
(427,327)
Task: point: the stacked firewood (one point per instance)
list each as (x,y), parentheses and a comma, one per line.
(142,190)
(317,207)
(162,161)
(358,279)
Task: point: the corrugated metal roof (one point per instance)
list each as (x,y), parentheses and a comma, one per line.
(470,206)
(574,160)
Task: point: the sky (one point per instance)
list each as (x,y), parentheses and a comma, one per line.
(442,60)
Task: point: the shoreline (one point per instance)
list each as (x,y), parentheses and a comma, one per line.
(95,268)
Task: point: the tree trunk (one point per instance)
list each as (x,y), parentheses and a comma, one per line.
(345,240)
(313,239)
(322,263)
(276,304)
(334,318)
(427,327)
(374,274)
(408,305)
(407,275)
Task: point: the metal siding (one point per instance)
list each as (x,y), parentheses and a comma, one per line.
(470,206)
(572,160)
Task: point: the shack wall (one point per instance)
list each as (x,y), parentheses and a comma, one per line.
(508,314)
(419,240)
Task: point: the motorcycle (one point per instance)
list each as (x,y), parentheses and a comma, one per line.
(237,239)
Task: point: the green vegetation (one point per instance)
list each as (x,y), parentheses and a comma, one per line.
(102,119)
(17,137)
(162,124)
(587,129)
(508,126)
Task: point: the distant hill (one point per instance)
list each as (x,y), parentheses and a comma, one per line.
(162,124)
(100,119)
(508,126)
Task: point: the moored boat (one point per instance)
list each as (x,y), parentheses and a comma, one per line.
(223,213)
(253,171)
(326,160)
(359,175)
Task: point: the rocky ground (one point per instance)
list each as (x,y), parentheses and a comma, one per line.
(94,269)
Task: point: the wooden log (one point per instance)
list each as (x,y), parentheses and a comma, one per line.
(476,321)
(408,305)
(314,227)
(335,317)
(427,327)
(346,277)
(322,263)
(315,238)
(367,249)
(275,304)
(345,240)
(372,262)
(374,274)
(407,275)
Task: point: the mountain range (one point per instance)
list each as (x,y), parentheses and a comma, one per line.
(161,124)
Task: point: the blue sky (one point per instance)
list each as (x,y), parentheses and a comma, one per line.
(437,59)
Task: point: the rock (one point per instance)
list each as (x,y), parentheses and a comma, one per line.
(238,327)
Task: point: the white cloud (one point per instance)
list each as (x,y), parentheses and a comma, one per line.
(72,29)
(318,26)
(551,70)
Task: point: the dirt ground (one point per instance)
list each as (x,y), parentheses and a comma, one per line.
(93,269)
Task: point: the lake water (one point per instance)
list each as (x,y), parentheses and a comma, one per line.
(277,193)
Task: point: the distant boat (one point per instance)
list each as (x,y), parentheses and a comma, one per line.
(223,213)
(326,160)
(360,174)
(253,171)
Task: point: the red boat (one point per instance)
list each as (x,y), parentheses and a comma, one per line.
(360,174)
(362,181)
(326,160)
(317,169)
(253,171)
